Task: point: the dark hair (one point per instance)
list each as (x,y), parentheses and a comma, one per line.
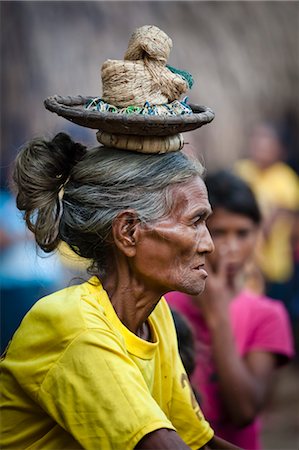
(41,169)
(186,341)
(230,192)
(72,194)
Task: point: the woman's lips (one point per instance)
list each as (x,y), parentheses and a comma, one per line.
(201,270)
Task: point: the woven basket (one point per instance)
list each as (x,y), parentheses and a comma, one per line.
(72,109)
(142,78)
(142,144)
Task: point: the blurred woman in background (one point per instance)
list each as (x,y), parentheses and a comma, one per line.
(241,336)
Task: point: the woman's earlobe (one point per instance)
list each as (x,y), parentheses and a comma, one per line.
(125,231)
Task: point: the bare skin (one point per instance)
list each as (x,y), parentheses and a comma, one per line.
(245,380)
(149,261)
(164,439)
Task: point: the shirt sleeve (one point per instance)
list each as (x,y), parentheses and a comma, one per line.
(98,395)
(272,331)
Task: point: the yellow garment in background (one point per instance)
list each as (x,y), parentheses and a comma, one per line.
(274,187)
(75,377)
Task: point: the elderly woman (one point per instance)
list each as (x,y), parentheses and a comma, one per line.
(96,366)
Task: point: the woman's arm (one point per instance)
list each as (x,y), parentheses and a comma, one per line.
(165,439)
(243,383)
(217,443)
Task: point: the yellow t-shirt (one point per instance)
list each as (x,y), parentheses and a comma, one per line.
(75,377)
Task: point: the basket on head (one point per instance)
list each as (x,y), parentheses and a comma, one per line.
(142,75)
(140,108)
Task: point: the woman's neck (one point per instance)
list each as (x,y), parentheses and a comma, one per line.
(236,284)
(131,300)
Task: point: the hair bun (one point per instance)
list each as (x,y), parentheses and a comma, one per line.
(73,151)
(66,152)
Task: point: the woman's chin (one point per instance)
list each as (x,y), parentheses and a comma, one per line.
(194,289)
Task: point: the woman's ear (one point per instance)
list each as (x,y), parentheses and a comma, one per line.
(125,231)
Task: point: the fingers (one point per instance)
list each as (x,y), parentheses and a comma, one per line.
(223,261)
(218,268)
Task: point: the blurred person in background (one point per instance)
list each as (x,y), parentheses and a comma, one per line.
(25,276)
(241,337)
(276,187)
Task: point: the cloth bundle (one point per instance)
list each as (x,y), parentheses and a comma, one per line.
(142,76)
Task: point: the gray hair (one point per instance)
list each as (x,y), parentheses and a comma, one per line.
(98,185)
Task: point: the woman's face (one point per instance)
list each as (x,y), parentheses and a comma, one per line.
(171,252)
(234,236)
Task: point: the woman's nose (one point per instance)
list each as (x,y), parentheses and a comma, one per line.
(232,245)
(205,242)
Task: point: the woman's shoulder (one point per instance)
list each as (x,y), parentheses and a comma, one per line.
(261,323)
(254,302)
(65,313)
(259,312)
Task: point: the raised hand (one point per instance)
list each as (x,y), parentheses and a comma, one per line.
(219,290)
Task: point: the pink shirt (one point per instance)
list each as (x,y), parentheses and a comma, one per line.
(258,323)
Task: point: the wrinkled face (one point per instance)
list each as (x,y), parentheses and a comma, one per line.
(234,236)
(171,252)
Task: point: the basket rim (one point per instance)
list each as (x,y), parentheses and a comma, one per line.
(70,107)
